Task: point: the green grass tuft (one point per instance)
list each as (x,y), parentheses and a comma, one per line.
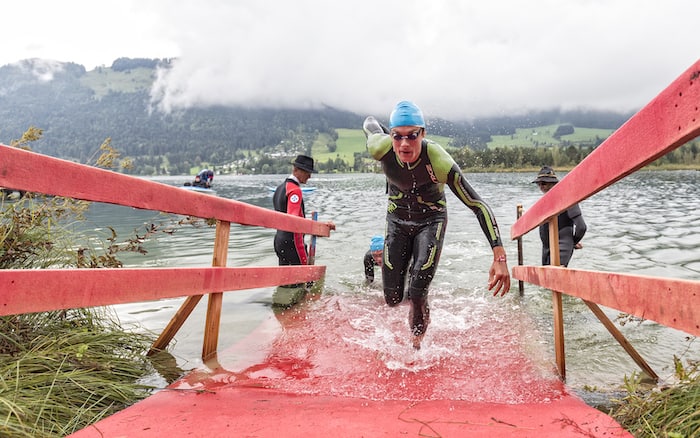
(62,371)
(670,412)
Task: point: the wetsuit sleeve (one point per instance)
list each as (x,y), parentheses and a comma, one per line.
(294,207)
(378,145)
(369,267)
(447,171)
(576,217)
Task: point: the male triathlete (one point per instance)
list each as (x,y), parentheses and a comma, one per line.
(417,170)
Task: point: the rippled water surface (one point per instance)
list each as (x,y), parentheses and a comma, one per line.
(646,224)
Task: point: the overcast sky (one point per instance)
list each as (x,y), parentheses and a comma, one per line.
(454,58)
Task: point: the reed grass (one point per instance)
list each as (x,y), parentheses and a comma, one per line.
(672,412)
(62,371)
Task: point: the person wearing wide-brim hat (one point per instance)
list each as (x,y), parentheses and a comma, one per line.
(546,175)
(572,227)
(304,163)
(290,247)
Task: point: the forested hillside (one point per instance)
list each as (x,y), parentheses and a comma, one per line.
(78,109)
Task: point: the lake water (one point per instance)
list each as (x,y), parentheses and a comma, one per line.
(647,224)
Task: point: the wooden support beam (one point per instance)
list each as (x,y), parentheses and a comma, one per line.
(620,338)
(671,302)
(213,321)
(41,290)
(174,325)
(558,321)
(557,307)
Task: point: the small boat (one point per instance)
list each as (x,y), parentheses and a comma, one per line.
(199,189)
(303,189)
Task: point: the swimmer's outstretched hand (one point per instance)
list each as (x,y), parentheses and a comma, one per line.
(499,276)
(373,126)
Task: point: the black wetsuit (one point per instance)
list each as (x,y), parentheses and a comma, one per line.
(369,266)
(417,218)
(571,230)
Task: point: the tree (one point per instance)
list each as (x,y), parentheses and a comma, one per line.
(563,130)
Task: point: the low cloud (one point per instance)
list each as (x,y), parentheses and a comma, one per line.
(455,59)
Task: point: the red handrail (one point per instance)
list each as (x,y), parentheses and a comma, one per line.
(23,291)
(667,122)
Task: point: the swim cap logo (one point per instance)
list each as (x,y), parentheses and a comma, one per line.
(294,199)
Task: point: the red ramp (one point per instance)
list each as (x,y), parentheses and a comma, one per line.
(343,366)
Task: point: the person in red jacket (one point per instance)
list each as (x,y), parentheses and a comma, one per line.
(288,198)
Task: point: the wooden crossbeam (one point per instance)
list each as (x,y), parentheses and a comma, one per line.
(27,291)
(49,176)
(671,302)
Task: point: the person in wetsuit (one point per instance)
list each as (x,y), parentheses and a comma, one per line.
(373,257)
(290,247)
(572,227)
(417,170)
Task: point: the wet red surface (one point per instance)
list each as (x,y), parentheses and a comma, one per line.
(333,367)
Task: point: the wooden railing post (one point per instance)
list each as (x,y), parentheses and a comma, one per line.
(211,327)
(554,257)
(557,307)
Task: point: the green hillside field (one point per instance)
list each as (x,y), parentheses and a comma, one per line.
(104,80)
(542,136)
(353,140)
(349,142)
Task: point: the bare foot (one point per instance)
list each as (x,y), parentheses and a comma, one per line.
(416,342)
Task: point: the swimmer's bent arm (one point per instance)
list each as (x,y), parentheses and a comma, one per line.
(447,171)
(378,140)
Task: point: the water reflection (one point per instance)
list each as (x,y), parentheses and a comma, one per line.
(646,224)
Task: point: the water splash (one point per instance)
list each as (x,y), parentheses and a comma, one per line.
(477,348)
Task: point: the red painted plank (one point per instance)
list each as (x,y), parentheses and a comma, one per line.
(27,291)
(262,412)
(667,122)
(671,302)
(48,176)
(303,373)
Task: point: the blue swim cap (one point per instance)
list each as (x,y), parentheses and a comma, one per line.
(377,243)
(406,114)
